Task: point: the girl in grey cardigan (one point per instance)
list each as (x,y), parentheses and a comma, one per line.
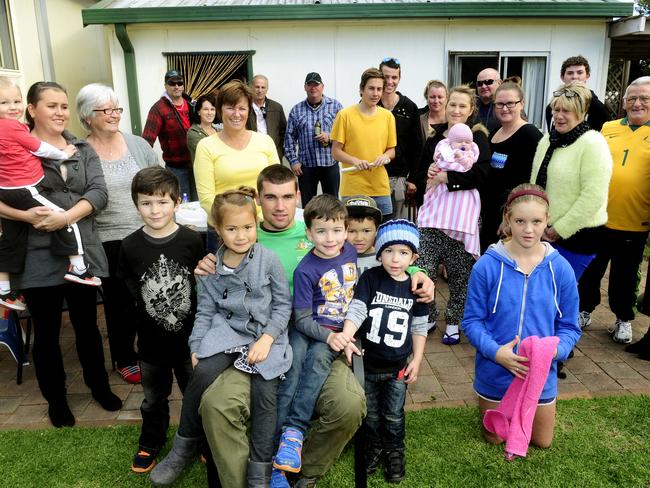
(242,318)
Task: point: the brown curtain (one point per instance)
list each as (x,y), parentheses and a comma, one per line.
(204,73)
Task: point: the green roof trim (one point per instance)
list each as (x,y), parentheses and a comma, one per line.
(99,14)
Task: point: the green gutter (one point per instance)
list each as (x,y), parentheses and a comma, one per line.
(99,14)
(131,78)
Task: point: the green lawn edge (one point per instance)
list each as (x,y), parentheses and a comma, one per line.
(598,442)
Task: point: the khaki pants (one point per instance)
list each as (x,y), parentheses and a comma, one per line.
(225,410)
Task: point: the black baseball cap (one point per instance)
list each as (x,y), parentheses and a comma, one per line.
(313,78)
(362,206)
(173,74)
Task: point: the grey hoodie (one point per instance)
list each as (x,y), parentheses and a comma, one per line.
(235,309)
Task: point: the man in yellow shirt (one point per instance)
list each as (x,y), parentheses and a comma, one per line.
(628,221)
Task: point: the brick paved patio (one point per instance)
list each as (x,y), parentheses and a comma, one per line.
(600,368)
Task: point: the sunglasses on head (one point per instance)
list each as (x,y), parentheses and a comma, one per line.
(175,83)
(388,60)
(567,92)
(480,83)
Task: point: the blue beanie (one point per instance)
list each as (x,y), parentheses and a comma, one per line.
(398,231)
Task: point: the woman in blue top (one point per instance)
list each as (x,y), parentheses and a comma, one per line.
(520,287)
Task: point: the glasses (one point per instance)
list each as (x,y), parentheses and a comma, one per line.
(508,105)
(388,60)
(109,111)
(175,83)
(567,92)
(263,110)
(644,99)
(480,83)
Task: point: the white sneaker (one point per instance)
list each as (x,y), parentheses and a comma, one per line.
(584,319)
(612,328)
(622,332)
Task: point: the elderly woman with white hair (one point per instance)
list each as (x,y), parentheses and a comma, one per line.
(122,156)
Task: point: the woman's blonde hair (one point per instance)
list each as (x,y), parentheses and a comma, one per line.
(471,94)
(512,83)
(435,84)
(241,197)
(574,97)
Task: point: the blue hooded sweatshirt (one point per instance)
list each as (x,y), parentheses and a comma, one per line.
(503,302)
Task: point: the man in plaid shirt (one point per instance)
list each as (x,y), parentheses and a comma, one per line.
(307,141)
(168,120)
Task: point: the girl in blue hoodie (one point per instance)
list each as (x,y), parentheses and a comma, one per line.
(520,287)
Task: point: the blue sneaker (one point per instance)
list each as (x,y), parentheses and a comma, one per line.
(278,479)
(289,453)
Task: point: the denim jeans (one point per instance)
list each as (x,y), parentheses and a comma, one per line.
(157,386)
(186,181)
(328,176)
(385,425)
(297,395)
(579,262)
(384,204)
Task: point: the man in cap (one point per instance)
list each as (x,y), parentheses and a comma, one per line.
(307,141)
(168,120)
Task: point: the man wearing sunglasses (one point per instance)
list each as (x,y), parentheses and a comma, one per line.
(576,68)
(409,137)
(168,121)
(487,82)
(267,116)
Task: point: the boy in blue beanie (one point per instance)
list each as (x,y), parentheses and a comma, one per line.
(391,326)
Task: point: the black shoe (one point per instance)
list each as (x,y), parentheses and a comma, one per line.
(373,460)
(60,414)
(639,346)
(108,400)
(394,466)
(560,374)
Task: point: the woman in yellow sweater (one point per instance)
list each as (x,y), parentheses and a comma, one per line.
(233,157)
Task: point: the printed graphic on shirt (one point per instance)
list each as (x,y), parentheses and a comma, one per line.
(166,293)
(389,319)
(337,295)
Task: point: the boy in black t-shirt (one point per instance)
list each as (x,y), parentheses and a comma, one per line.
(156,263)
(392,325)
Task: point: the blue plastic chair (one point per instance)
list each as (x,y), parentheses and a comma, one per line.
(11,336)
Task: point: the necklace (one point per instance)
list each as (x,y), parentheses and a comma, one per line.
(392,102)
(105,149)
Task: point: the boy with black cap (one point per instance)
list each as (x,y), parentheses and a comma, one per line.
(364,219)
(392,327)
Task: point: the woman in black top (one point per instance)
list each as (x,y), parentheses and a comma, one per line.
(513,148)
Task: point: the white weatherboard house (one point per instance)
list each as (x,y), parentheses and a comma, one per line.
(285,39)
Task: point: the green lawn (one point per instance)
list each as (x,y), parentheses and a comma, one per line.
(601,442)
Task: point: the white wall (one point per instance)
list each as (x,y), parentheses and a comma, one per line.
(340,51)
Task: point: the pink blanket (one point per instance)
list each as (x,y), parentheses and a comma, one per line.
(513,420)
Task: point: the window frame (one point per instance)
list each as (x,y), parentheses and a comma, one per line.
(8,57)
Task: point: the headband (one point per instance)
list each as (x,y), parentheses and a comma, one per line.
(528,191)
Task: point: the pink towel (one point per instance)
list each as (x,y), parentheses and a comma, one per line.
(513,420)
